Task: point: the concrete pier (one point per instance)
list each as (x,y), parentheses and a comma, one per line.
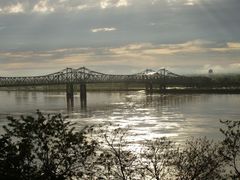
(149,88)
(70,96)
(83,95)
(69,90)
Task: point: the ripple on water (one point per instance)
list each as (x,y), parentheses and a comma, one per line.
(147,116)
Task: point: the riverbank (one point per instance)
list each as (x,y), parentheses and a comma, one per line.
(155,90)
(198,91)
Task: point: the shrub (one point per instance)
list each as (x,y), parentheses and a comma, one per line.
(43,148)
(49,148)
(199,159)
(117,160)
(231,144)
(157,159)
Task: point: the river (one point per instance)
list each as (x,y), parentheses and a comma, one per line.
(176,116)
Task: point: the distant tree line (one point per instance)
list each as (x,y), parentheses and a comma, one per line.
(217,81)
(47,147)
(227,81)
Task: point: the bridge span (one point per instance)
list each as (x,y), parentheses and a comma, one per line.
(83,76)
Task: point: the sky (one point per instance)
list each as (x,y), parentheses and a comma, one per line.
(119,36)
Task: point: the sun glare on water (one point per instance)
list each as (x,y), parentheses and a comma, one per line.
(191,2)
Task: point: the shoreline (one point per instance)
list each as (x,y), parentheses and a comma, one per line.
(199,91)
(166,91)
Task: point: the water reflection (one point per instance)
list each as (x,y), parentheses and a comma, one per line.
(70,104)
(148,116)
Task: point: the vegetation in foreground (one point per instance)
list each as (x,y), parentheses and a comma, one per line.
(49,148)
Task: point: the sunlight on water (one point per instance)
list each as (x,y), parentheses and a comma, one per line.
(147,116)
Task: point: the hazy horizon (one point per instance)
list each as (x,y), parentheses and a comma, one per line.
(119,36)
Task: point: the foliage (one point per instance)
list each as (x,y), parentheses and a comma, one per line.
(118,161)
(157,159)
(231,145)
(226,80)
(48,148)
(199,159)
(43,148)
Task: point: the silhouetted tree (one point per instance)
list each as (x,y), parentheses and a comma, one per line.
(49,148)
(231,145)
(199,159)
(117,160)
(157,159)
(43,148)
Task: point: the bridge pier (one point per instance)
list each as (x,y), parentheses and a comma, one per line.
(83,95)
(162,87)
(70,95)
(69,90)
(149,88)
(70,104)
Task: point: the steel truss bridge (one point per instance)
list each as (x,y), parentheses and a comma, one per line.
(83,76)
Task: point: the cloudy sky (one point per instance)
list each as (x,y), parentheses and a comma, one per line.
(119,36)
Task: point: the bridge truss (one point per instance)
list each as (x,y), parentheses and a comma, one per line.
(85,75)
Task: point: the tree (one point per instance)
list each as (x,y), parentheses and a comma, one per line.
(199,159)
(116,160)
(49,148)
(231,145)
(157,159)
(43,148)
